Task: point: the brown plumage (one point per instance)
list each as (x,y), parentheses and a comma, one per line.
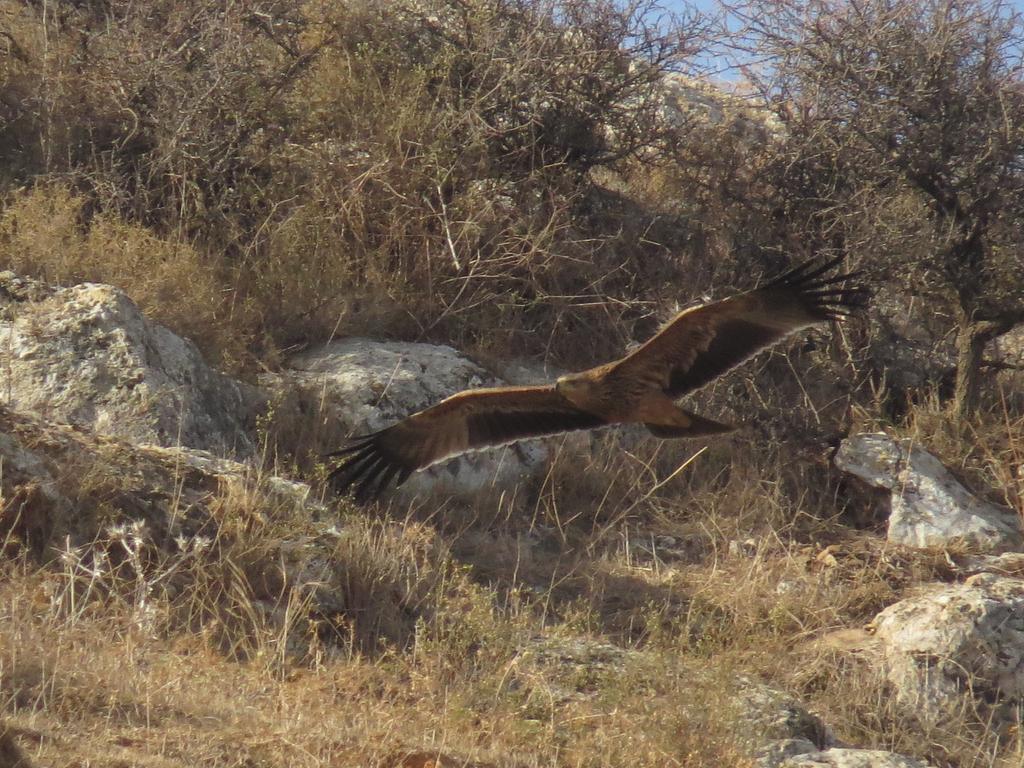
(697,346)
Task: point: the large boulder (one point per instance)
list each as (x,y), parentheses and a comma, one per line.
(930,507)
(956,647)
(85,355)
(357,386)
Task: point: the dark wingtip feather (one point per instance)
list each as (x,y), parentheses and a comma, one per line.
(354,444)
(352,471)
(369,466)
(804,272)
(816,288)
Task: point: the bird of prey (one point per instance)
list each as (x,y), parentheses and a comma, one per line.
(697,346)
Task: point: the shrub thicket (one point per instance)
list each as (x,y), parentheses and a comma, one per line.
(905,121)
(417,169)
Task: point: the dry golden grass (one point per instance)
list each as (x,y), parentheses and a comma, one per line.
(97,688)
(347,170)
(600,624)
(44,234)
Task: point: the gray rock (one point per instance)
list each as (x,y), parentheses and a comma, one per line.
(85,355)
(70,484)
(852,758)
(1007,564)
(363,386)
(1007,353)
(686,99)
(777,753)
(768,714)
(930,507)
(771,725)
(1009,348)
(956,647)
(557,670)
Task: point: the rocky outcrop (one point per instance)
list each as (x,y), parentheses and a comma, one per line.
(851,758)
(358,386)
(94,501)
(929,507)
(957,646)
(85,355)
(686,99)
(64,486)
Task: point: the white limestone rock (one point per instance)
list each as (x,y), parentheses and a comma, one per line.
(852,758)
(957,646)
(85,355)
(930,507)
(367,385)
(685,99)
(1009,348)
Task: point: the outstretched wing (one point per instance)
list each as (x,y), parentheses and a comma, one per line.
(704,342)
(468,421)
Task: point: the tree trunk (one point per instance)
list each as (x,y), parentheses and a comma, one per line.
(972,336)
(969,347)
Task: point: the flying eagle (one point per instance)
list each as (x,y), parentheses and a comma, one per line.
(697,346)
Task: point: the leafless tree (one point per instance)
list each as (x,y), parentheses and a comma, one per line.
(909,109)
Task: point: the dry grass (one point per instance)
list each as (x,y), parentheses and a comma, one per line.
(596,624)
(97,687)
(352,168)
(44,234)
